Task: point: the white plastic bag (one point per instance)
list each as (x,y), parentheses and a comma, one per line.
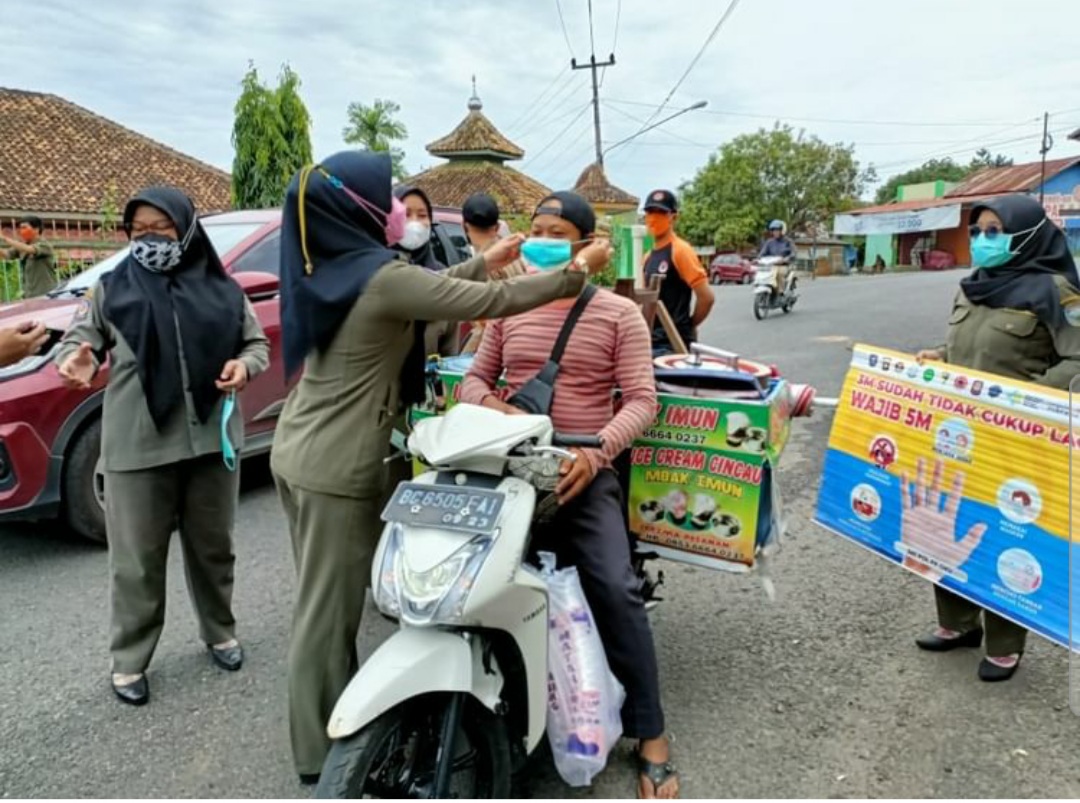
(584,699)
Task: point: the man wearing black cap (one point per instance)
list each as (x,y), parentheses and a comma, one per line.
(480,214)
(685,289)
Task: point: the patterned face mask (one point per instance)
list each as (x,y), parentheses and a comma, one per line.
(156,252)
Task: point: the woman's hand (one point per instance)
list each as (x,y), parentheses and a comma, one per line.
(493,403)
(78,369)
(18,344)
(597,254)
(234,376)
(503,253)
(929,355)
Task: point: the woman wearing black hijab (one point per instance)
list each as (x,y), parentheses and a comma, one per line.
(440,337)
(181,338)
(350,315)
(1016,315)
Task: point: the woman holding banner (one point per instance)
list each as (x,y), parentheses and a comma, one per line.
(1017,315)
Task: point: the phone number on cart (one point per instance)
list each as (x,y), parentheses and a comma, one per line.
(689,438)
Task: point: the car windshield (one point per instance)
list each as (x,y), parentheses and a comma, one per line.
(224,236)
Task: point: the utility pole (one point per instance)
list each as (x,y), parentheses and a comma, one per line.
(1047,144)
(594,65)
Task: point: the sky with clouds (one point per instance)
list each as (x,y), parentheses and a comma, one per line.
(902,81)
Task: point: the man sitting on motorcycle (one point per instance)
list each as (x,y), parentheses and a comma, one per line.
(778,245)
(609,347)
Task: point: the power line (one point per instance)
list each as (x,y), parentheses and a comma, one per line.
(566,35)
(615,41)
(532,106)
(557,137)
(558,157)
(533,118)
(1012,141)
(838,121)
(716,29)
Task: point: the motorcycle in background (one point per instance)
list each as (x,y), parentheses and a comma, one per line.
(770,291)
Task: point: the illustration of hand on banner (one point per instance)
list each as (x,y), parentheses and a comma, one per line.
(928,530)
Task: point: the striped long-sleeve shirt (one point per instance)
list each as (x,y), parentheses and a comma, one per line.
(610,347)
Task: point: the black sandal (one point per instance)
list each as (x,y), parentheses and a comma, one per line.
(658,775)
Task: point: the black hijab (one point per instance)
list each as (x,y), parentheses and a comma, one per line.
(423,256)
(1026,282)
(346,246)
(197,296)
(345,243)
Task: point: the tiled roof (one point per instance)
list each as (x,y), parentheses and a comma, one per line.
(1018,178)
(61,158)
(450,184)
(593,185)
(476,135)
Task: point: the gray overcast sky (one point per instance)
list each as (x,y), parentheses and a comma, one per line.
(968,73)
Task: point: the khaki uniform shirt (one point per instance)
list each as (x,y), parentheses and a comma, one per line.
(334,432)
(38,269)
(129,439)
(1015,343)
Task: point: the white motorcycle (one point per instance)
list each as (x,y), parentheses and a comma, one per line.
(768,292)
(454,702)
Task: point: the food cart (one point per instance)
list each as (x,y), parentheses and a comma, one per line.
(702,486)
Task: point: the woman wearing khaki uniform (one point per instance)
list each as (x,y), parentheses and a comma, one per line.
(180,337)
(351,315)
(1017,315)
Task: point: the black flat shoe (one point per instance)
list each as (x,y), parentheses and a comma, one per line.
(230,659)
(137,693)
(989,672)
(310,779)
(934,643)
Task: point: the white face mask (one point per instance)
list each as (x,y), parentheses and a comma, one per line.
(416,235)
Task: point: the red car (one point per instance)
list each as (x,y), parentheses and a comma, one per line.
(50,436)
(731,268)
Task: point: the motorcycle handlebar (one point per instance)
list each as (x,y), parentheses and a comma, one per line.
(576,441)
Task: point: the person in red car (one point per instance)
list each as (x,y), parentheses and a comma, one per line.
(182,339)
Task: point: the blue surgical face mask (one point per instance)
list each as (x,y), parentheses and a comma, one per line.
(545,253)
(994,249)
(228,451)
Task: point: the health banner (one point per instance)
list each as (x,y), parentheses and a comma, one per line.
(959,476)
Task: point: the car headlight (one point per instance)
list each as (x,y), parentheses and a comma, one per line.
(28,365)
(437,595)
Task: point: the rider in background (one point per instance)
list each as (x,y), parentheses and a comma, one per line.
(685,290)
(778,245)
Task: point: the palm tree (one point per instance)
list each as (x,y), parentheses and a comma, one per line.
(376,129)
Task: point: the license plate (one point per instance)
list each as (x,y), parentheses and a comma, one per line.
(466,509)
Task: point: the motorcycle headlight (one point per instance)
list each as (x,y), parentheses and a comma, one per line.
(437,595)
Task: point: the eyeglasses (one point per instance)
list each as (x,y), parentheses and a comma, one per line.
(158,227)
(990,231)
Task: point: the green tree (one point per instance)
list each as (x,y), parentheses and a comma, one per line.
(376,128)
(775,173)
(983,159)
(271,139)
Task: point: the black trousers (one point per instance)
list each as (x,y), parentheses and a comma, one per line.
(590,534)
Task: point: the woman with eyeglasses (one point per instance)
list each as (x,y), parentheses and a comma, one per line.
(352,315)
(1016,315)
(182,340)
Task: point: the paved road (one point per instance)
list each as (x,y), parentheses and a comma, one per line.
(819,694)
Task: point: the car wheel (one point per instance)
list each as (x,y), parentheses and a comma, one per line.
(83,488)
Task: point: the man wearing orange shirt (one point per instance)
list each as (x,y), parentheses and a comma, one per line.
(685,289)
